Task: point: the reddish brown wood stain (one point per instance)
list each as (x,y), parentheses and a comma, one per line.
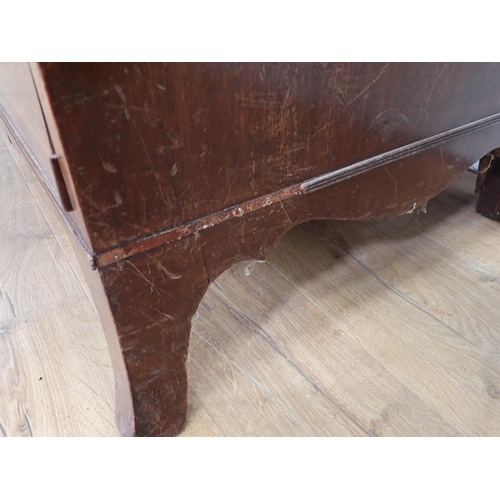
(177,171)
(144,132)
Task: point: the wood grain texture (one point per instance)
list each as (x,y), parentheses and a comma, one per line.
(151,146)
(279,348)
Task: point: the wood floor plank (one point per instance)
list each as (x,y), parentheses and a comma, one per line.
(240,405)
(55,381)
(241,341)
(388,252)
(337,369)
(451,220)
(415,347)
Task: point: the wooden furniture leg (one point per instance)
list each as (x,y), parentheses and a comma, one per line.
(488,186)
(151,298)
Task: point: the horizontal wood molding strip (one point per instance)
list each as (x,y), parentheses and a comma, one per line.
(360,167)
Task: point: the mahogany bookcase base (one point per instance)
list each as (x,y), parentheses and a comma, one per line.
(168,174)
(147,300)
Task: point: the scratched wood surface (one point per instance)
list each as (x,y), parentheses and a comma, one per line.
(170,143)
(351,328)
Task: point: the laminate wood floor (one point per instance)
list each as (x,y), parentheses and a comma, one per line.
(387,328)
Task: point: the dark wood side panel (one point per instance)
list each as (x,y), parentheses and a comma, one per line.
(153,145)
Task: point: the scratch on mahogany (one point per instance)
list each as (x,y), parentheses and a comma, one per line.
(259,100)
(140,273)
(369,86)
(151,164)
(109,167)
(161,267)
(394,180)
(431,91)
(80,100)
